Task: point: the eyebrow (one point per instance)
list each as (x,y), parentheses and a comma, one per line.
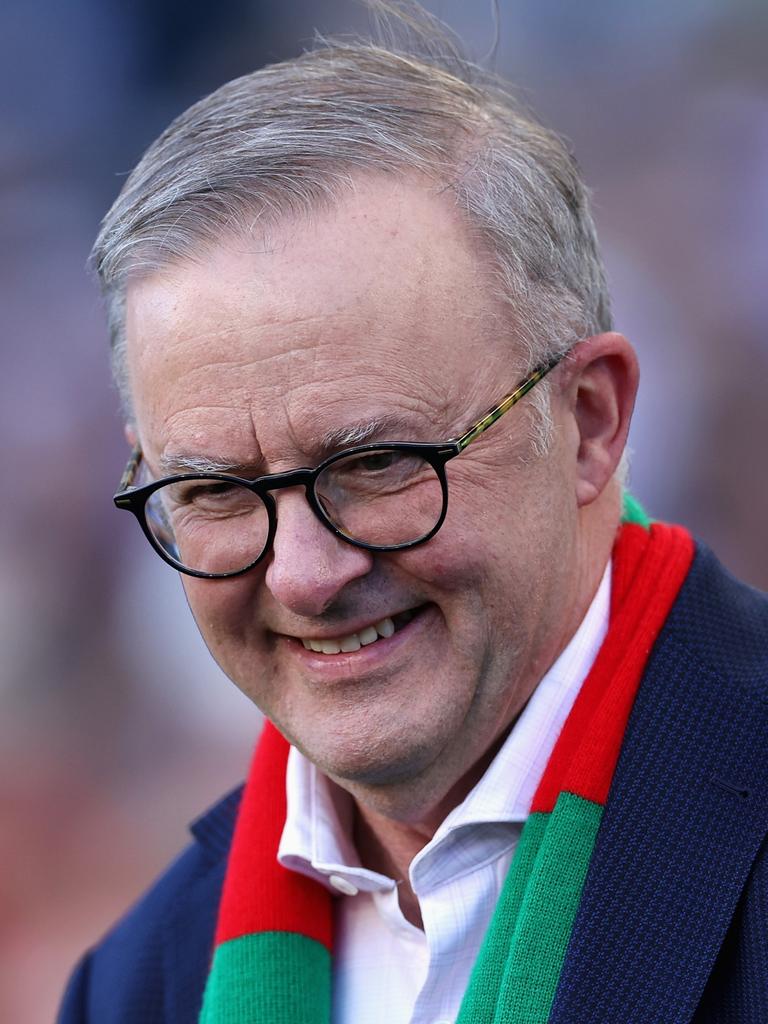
(172,465)
(390,427)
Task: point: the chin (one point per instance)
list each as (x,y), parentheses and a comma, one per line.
(371,764)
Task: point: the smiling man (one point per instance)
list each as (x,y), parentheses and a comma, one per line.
(378,414)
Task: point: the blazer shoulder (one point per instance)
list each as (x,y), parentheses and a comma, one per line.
(152,964)
(724,622)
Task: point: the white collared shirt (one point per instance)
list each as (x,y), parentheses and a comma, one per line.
(387,971)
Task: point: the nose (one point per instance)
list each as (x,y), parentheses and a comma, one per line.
(309,566)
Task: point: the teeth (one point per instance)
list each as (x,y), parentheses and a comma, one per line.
(385,628)
(368,635)
(353,642)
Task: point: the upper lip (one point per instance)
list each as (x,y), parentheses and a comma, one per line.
(324,633)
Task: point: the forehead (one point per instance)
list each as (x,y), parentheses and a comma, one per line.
(378,307)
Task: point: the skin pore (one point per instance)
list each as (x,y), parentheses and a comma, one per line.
(377,308)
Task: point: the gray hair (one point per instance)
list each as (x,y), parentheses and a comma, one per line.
(292,136)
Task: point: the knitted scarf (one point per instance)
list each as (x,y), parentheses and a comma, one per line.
(272,957)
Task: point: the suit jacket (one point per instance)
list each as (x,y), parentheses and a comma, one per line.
(673,923)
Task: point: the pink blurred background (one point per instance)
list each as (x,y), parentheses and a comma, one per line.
(116,727)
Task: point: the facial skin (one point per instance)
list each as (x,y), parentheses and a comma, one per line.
(381,308)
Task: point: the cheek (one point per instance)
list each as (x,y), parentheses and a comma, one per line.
(455,563)
(487,561)
(220,607)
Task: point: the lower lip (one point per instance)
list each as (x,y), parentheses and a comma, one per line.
(354,663)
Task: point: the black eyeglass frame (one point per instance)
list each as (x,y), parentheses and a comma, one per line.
(437,454)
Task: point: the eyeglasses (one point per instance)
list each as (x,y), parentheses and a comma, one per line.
(381,497)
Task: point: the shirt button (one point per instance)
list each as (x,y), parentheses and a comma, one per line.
(343,885)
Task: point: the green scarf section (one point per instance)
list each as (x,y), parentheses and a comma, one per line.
(278,976)
(272,961)
(518,968)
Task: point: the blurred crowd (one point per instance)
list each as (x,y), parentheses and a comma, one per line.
(116,727)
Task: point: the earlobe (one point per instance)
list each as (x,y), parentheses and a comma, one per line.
(131,434)
(603,388)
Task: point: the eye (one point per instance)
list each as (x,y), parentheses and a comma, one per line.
(374,462)
(197,490)
(204,494)
(380,471)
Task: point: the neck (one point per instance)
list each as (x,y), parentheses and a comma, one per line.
(388,845)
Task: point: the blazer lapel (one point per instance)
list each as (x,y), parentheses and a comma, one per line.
(686,814)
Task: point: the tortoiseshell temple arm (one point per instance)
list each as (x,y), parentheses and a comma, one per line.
(129,473)
(505,405)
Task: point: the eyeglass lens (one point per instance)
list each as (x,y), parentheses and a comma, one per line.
(383,498)
(210,526)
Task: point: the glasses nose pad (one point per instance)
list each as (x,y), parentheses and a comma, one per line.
(327,508)
(269,502)
(329,513)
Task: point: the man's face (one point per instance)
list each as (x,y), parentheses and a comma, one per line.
(377,309)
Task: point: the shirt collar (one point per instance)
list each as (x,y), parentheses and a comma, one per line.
(317,836)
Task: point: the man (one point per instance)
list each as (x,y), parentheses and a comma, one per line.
(527,775)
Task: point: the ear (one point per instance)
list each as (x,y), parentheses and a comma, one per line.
(603,379)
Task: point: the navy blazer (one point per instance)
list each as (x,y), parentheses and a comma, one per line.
(673,923)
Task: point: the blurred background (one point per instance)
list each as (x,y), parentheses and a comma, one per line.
(116,728)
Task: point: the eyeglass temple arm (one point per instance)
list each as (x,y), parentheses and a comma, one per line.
(134,461)
(129,473)
(505,405)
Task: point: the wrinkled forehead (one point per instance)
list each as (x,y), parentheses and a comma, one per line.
(381,306)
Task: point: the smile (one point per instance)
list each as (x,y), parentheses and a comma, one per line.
(363,638)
